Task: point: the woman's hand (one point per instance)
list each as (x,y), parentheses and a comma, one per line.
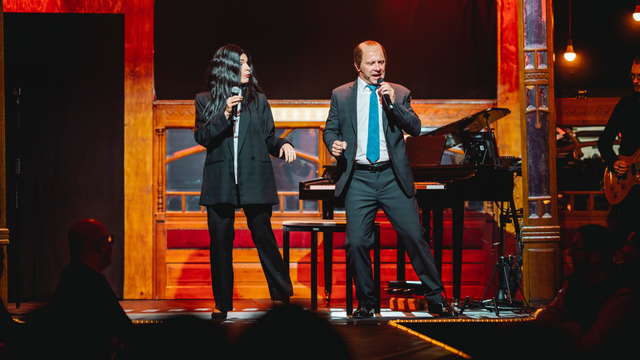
(231,102)
(289,153)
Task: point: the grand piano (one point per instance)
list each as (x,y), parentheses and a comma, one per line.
(482,176)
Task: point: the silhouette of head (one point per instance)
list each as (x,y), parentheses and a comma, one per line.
(90,243)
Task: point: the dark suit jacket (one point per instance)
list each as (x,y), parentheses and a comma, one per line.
(256,140)
(342,125)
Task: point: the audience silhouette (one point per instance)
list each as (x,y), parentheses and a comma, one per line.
(290,332)
(85,319)
(595,305)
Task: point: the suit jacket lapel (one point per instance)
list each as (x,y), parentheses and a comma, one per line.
(385,122)
(245,118)
(352,99)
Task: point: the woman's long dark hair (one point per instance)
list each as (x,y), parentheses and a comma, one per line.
(223,74)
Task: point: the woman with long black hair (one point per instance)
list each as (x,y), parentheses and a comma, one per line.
(238,171)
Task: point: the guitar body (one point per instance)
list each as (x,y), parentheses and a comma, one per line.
(617,187)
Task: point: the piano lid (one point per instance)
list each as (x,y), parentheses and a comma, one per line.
(472,123)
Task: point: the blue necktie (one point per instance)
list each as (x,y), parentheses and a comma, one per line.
(373,136)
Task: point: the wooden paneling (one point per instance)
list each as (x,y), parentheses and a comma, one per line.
(543,266)
(584,112)
(138,156)
(508,129)
(189,276)
(296,113)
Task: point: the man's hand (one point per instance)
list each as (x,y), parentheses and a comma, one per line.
(338,148)
(386,89)
(289,153)
(620,167)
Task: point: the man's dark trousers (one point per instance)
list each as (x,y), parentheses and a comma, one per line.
(366,193)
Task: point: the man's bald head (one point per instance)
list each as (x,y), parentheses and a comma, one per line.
(87,240)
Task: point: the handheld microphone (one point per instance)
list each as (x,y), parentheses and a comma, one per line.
(234,110)
(385,97)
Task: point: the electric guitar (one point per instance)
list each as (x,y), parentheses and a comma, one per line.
(617,187)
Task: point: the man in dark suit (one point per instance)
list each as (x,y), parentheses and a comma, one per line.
(367,139)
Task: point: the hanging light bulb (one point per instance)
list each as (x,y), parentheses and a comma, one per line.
(636,14)
(569,54)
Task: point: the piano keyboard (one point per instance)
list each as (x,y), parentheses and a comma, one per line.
(430,186)
(322,187)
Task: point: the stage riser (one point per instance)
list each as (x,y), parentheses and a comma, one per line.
(188,274)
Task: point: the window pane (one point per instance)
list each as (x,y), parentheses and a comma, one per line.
(289,176)
(311,205)
(542,59)
(184,174)
(174,203)
(528,60)
(291,203)
(535,23)
(192,203)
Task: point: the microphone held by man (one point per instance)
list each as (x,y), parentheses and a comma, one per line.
(385,96)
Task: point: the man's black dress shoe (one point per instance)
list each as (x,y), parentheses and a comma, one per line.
(219,315)
(365,310)
(442,309)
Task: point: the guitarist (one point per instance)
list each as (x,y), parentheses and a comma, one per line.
(624,122)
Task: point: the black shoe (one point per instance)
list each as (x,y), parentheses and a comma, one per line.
(365,310)
(219,315)
(442,309)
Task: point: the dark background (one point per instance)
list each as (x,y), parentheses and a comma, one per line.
(606,39)
(71,71)
(304,49)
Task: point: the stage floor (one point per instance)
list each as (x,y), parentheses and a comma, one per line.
(373,338)
(156,310)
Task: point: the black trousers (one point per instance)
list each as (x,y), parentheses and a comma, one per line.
(366,193)
(221,219)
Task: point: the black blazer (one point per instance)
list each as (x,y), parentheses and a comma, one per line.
(342,125)
(256,140)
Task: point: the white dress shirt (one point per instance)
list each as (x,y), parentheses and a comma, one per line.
(364,94)
(236,126)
